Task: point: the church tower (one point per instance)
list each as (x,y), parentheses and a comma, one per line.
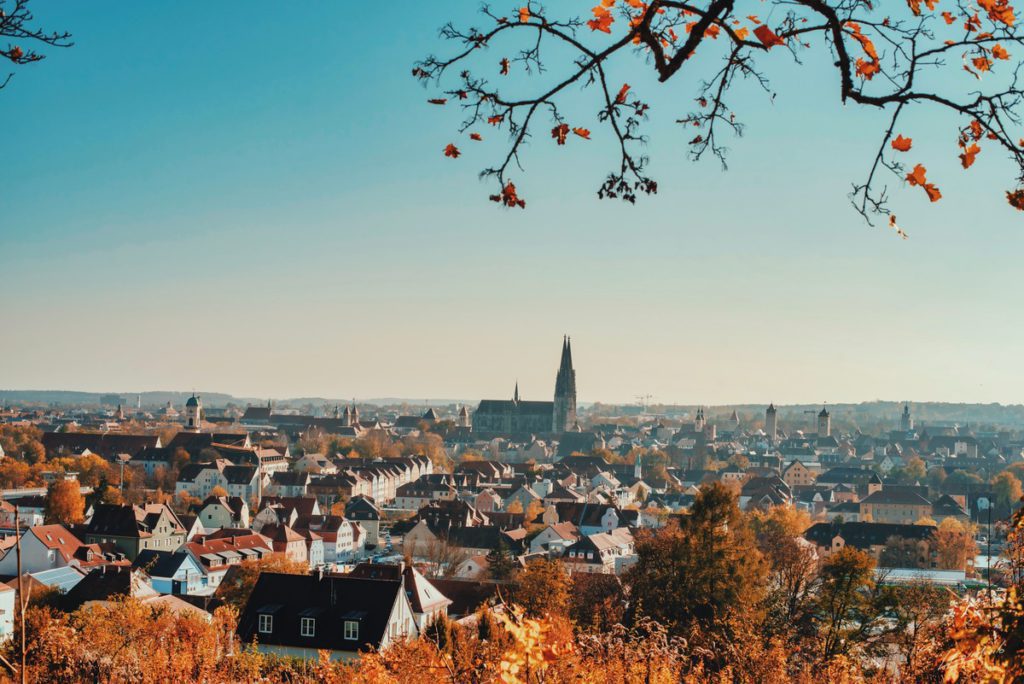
(906,422)
(564,412)
(464,417)
(698,421)
(771,422)
(824,423)
(193,413)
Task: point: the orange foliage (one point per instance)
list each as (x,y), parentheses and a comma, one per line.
(768,37)
(917,177)
(559,133)
(902,144)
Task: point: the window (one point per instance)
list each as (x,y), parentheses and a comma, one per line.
(351,629)
(266,624)
(307,627)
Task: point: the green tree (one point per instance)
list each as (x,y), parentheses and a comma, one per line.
(501,564)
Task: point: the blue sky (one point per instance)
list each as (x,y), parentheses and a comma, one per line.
(252,199)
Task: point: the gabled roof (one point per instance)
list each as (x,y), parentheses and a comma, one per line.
(161,563)
(423,596)
(896,496)
(331,600)
(863,535)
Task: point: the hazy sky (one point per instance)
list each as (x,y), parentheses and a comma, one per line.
(251,198)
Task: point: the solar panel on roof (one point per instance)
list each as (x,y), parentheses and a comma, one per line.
(63,579)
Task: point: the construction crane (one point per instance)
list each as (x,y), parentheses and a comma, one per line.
(643,400)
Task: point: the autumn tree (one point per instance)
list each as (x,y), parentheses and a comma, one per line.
(704,575)
(542,588)
(64,502)
(1007,490)
(954,544)
(239,582)
(845,602)
(886,57)
(597,601)
(792,565)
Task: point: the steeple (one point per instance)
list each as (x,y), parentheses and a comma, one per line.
(771,424)
(565,390)
(906,422)
(515,395)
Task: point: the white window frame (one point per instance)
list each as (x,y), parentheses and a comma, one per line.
(307,627)
(351,630)
(266,625)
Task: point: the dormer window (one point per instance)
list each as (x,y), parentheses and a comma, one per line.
(307,627)
(266,625)
(351,629)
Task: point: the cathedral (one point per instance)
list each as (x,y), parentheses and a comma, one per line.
(515,416)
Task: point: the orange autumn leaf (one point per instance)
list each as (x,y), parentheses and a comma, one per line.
(603,18)
(865,68)
(602,23)
(768,37)
(998,10)
(742,33)
(559,133)
(917,176)
(1016,199)
(621,97)
(982,63)
(999,52)
(504,66)
(915,6)
(975,129)
(496,119)
(902,144)
(524,14)
(582,132)
(753,18)
(508,197)
(451,151)
(475,136)
(437,100)
(969,153)
(949,18)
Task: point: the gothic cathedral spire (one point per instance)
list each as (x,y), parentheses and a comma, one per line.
(565,391)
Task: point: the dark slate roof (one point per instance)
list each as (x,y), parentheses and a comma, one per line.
(239,474)
(102,584)
(160,563)
(256,413)
(466,596)
(863,535)
(104,443)
(901,496)
(846,475)
(331,600)
(503,406)
(361,508)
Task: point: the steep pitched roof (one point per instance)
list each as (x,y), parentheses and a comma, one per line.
(331,600)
